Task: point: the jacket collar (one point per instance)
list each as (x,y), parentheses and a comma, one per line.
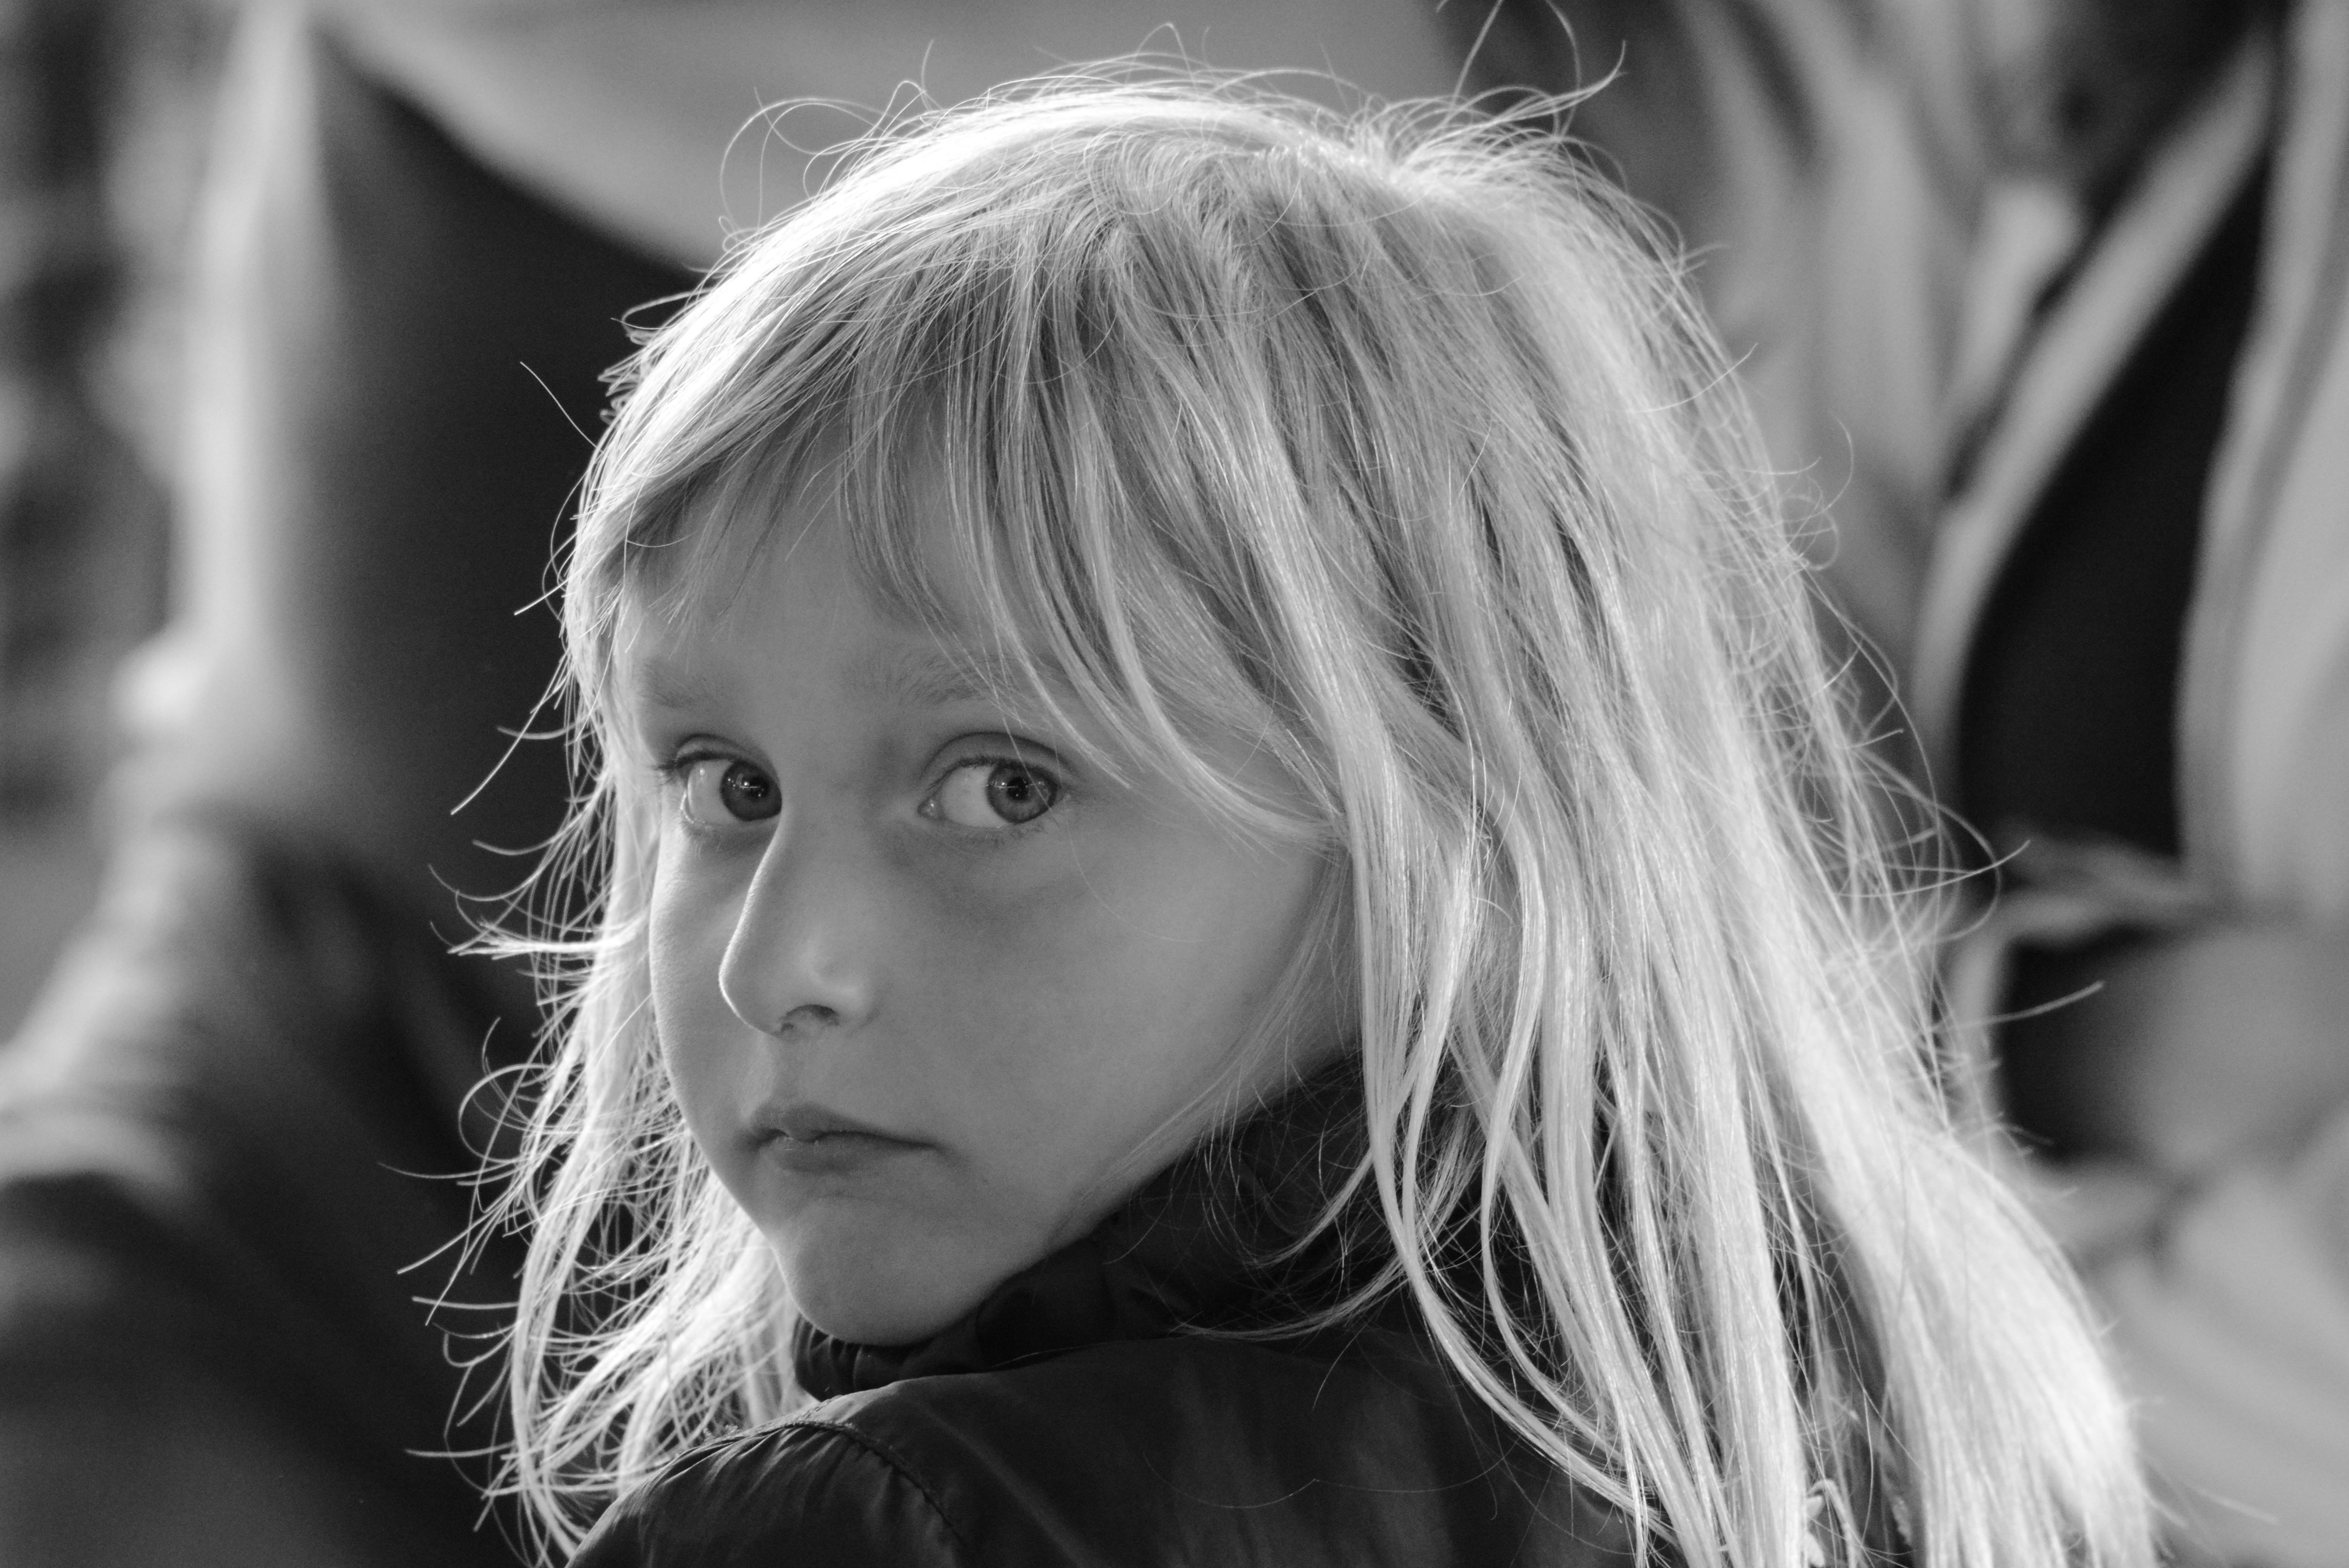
(1203,1245)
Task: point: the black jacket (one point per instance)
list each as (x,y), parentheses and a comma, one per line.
(1077,1417)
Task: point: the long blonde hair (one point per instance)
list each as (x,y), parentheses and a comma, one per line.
(1394,438)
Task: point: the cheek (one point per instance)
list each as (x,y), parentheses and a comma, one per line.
(1089,1018)
(1196,971)
(690,925)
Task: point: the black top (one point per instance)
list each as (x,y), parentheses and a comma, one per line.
(2070,710)
(230,1163)
(1076,1417)
(2069,723)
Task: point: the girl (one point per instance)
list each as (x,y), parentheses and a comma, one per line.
(1237,923)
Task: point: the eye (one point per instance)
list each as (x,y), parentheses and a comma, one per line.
(719,790)
(992,794)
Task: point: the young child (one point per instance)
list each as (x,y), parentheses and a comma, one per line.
(1237,920)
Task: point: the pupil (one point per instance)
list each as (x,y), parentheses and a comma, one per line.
(746,792)
(1018,795)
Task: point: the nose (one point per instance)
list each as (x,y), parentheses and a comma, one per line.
(801,951)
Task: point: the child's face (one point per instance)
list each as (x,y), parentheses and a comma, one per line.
(934,995)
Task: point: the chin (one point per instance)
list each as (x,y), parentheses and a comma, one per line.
(850,1298)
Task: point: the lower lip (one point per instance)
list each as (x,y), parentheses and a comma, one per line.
(833,1155)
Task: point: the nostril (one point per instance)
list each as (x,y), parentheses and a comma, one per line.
(808,1015)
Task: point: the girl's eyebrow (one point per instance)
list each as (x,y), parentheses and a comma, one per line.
(923,679)
(658,683)
(930,678)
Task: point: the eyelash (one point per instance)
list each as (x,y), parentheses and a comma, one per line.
(671,774)
(1006,758)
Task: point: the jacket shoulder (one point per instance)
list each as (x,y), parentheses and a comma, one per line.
(811,1490)
(1185,1449)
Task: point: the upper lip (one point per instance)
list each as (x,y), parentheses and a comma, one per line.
(806,1123)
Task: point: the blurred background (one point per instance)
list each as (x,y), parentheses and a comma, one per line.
(2044,305)
(105,110)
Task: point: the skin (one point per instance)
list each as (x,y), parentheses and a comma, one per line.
(921,1044)
(2157,1112)
(2130,1063)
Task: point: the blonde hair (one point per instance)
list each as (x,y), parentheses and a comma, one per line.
(1388,438)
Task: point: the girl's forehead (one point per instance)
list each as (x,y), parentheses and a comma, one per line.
(907,570)
(934,636)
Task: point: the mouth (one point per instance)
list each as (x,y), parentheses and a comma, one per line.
(815,1141)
